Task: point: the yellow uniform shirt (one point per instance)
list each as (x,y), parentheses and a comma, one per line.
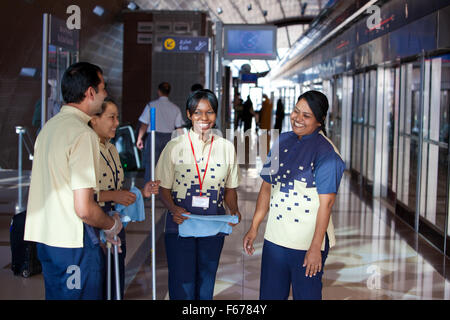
(66,156)
(111,175)
(177,171)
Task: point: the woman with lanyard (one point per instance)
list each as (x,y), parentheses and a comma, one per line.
(300,180)
(112,176)
(199,175)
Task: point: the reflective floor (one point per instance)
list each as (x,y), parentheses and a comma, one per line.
(376,256)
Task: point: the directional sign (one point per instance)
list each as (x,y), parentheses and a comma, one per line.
(185,44)
(249,78)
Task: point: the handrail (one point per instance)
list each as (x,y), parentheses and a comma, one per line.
(21,131)
(133,141)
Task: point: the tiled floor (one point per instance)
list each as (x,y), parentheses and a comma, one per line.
(376,257)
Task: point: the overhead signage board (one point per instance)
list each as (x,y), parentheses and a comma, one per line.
(185,44)
(61,36)
(250,42)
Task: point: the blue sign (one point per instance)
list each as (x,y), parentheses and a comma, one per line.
(185,44)
(249,78)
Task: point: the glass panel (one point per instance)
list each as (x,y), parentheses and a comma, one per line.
(413,172)
(356,129)
(442,185)
(370,154)
(390,91)
(365,135)
(443,202)
(372,97)
(435,193)
(445,103)
(415,112)
(408,135)
(335,115)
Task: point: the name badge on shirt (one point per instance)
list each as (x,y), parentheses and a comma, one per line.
(200,202)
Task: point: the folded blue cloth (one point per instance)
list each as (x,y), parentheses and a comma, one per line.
(206,225)
(133,212)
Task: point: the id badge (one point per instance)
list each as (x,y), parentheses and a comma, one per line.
(200,202)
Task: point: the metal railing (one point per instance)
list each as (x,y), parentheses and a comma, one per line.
(22,132)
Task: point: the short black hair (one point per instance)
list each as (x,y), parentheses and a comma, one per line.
(202,94)
(164,87)
(77,79)
(196,86)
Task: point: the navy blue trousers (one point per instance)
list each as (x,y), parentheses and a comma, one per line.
(282,267)
(73,273)
(192,264)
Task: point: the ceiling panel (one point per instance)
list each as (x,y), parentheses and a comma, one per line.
(282,39)
(291,8)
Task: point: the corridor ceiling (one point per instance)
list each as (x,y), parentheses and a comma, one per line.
(291,16)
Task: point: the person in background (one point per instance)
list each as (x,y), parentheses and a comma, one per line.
(265,114)
(53,107)
(111,179)
(238,108)
(168,118)
(279,116)
(196,86)
(199,174)
(265,119)
(300,181)
(247,113)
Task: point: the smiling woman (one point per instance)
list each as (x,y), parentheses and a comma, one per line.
(298,196)
(111,178)
(309,113)
(199,174)
(201,109)
(106,122)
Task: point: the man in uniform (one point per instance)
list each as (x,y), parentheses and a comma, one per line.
(62,216)
(167,118)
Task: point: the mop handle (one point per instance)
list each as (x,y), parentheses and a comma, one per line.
(116,269)
(108,277)
(152,128)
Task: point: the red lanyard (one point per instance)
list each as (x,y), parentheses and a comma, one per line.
(196,165)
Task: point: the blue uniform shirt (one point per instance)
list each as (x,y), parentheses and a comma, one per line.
(298,171)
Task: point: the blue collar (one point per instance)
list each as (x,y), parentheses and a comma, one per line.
(306,137)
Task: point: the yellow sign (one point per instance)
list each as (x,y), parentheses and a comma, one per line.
(169,44)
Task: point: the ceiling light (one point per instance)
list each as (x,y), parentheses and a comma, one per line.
(219,10)
(249,7)
(132,6)
(28,72)
(98,10)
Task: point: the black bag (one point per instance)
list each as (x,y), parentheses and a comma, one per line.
(23,253)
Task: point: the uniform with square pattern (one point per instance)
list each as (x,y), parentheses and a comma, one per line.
(298,171)
(177,171)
